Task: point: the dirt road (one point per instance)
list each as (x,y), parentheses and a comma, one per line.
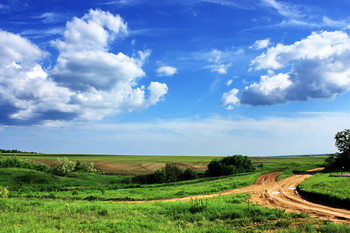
(279,194)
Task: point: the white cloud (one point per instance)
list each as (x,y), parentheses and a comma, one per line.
(319,68)
(157,91)
(218,60)
(166,71)
(230,97)
(283,8)
(260,44)
(51,17)
(25,90)
(220,68)
(229,82)
(87,82)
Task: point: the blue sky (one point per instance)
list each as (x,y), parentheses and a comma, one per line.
(196,77)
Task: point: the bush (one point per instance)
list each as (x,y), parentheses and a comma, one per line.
(189,174)
(13,161)
(84,166)
(64,166)
(170,173)
(4,192)
(230,165)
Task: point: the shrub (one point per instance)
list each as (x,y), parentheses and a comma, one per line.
(4,192)
(189,174)
(64,166)
(230,165)
(15,162)
(84,166)
(169,173)
(35,178)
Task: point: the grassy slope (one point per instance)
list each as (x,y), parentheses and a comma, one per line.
(322,183)
(25,182)
(220,214)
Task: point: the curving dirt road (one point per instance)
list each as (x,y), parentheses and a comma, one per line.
(278,194)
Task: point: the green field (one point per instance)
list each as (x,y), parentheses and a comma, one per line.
(145,164)
(39,201)
(324,184)
(161,158)
(219,214)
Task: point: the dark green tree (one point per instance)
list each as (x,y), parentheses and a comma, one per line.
(340,160)
(230,165)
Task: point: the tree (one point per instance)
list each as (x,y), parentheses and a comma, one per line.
(230,165)
(342,140)
(169,173)
(340,160)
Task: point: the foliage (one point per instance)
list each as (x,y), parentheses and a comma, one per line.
(84,166)
(342,140)
(230,165)
(340,160)
(13,151)
(169,173)
(4,192)
(64,166)
(13,161)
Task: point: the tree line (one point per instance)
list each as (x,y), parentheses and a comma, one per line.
(13,151)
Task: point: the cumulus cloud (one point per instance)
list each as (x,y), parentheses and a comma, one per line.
(166,71)
(87,83)
(230,99)
(260,44)
(317,67)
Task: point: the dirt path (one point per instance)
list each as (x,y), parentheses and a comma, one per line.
(278,194)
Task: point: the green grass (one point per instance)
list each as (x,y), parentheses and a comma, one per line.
(24,182)
(27,183)
(42,202)
(219,214)
(200,160)
(333,187)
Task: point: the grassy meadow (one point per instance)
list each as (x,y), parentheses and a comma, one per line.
(39,201)
(336,188)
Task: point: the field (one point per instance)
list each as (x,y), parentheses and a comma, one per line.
(137,164)
(336,189)
(39,201)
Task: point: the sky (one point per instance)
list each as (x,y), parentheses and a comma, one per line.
(173,77)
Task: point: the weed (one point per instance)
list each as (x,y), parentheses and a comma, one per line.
(198,205)
(4,192)
(284,223)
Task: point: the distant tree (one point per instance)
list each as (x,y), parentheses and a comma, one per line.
(169,173)
(340,160)
(230,165)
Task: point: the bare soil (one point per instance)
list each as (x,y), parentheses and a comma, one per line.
(278,194)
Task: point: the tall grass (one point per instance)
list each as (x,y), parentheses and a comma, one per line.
(221,214)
